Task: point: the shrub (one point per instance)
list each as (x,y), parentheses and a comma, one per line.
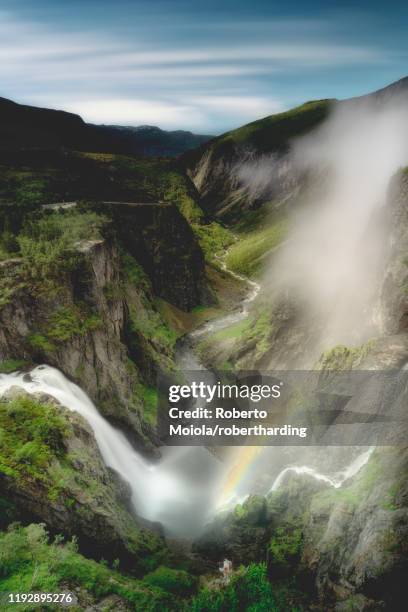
(285,547)
(30,562)
(178,582)
(48,243)
(248,590)
(31,434)
(12,365)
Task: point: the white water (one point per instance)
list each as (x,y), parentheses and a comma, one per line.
(178,491)
(335,481)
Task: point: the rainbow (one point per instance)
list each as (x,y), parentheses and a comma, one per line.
(246,457)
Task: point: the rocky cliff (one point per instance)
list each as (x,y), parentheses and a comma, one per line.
(160,238)
(92,311)
(246,167)
(394,295)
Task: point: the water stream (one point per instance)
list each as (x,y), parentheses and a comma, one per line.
(334,481)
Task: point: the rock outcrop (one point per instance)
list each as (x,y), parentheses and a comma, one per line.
(160,238)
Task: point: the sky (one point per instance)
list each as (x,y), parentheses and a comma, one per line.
(202,65)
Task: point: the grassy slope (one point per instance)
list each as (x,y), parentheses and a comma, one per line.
(272,133)
(247,254)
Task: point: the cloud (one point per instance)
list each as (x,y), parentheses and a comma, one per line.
(197,112)
(91,70)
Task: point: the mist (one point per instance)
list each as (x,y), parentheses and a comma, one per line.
(332,263)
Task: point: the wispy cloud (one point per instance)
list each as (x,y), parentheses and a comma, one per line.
(140,80)
(195,113)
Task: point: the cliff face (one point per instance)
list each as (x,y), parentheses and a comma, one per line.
(394,295)
(98,322)
(248,166)
(78,329)
(355,538)
(160,238)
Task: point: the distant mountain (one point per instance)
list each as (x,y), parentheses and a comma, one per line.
(151,141)
(29,127)
(24,126)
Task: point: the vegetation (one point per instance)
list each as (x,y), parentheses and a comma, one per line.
(48,243)
(249,589)
(176,189)
(246,256)
(285,547)
(30,562)
(275,131)
(213,239)
(150,400)
(232,331)
(256,331)
(62,325)
(47,250)
(353,494)
(342,357)
(178,582)
(31,435)
(12,365)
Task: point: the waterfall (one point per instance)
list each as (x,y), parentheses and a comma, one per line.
(177,491)
(335,481)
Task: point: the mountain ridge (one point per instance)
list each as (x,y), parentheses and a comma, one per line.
(29,127)
(214,166)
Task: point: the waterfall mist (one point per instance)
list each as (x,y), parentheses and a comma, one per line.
(337,176)
(331,265)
